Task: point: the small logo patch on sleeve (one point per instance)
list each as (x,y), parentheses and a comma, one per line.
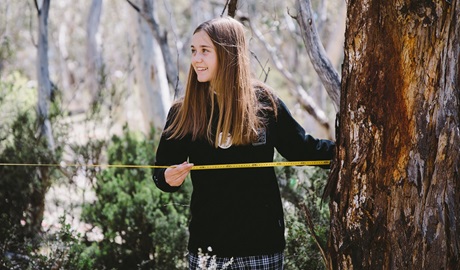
(261,137)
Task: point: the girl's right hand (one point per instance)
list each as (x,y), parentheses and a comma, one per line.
(175,175)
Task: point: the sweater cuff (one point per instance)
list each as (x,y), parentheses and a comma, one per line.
(160,181)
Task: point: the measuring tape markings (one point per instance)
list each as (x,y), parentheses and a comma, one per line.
(195,167)
(260,165)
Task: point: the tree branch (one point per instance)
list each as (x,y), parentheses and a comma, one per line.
(36,7)
(311,227)
(134,6)
(305,100)
(323,67)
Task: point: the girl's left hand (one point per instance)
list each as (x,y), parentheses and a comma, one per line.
(176,175)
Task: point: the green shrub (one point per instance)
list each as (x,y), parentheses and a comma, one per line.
(22,188)
(304,186)
(142,227)
(62,250)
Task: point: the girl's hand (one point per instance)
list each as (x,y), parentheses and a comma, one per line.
(176,175)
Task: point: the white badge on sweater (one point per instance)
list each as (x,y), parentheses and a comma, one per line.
(227,143)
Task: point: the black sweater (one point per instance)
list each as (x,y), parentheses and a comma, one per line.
(238,212)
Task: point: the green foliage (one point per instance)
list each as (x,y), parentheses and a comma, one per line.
(142,227)
(6,51)
(22,189)
(62,250)
(304,186)
(301,251)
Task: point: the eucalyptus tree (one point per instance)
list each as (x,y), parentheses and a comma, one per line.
(395,183)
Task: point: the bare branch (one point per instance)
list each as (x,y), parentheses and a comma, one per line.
(265,72)
(323,67)
(311,227)
(134,6)
(36,7)
(225,7)
(305,100)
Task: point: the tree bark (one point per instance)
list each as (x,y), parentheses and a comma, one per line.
(396,201)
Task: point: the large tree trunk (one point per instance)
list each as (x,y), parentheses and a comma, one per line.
(396,204)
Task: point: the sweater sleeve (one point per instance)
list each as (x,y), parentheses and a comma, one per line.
(294,144)
(169,152)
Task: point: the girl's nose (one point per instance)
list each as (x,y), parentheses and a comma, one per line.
(197,58)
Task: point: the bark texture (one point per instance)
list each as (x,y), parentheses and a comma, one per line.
(395,201)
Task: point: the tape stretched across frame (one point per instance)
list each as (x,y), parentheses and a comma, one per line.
(195,167)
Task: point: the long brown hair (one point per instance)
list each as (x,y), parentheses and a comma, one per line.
(233,93)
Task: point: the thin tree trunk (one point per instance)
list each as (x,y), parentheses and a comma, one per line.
(43,77)
(151,77)
(93,55)
(396,181)
(172,72)
(45,131)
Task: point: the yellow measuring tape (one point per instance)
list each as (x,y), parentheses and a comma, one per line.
(195,167)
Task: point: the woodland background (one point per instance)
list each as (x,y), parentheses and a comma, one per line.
(108,95)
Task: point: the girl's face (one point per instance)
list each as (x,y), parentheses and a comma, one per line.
(204,57)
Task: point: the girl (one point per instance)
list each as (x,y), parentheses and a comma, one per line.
(226,117)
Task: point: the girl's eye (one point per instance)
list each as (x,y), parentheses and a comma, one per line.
(193,51)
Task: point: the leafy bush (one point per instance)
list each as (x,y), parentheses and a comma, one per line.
(22,188)
(62,250)
(304,186)
(142,227)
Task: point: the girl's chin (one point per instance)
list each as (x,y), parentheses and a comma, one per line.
(202,80)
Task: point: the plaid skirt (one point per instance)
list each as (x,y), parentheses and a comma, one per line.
(262,262)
